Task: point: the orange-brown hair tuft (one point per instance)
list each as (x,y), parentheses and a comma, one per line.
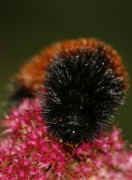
(32,74)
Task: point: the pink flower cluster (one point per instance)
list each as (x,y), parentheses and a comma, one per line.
(29,152)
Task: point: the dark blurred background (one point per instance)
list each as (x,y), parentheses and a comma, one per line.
(27,26)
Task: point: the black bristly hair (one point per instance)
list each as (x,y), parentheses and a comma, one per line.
(19,94)
(82,93)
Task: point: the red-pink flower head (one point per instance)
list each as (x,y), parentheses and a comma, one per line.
(29,152)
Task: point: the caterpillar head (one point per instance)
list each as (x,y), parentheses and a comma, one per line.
(83,92)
